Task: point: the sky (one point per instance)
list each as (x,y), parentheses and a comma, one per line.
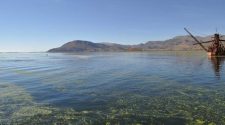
(39,25)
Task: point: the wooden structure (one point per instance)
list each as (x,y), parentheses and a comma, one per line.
(215,49)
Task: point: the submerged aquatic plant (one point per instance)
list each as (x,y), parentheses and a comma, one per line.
(124,94)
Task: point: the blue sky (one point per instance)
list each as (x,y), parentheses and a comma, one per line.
(38,25)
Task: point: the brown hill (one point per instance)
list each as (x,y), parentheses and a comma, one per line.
(176,43)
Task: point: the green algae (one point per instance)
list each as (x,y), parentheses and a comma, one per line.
(18,107)
(31,111)
(171,104)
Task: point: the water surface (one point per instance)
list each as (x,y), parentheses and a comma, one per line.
(112,88)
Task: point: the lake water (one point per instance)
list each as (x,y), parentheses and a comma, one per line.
(158,88)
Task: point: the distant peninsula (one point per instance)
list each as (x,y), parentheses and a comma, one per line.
(179,43)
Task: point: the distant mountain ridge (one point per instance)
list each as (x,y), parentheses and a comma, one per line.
(176,43)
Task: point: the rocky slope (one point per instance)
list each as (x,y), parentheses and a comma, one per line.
(176,43)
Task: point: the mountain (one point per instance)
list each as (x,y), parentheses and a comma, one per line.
(87,46)
(176,43)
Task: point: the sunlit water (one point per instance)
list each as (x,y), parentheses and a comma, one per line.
(112,88)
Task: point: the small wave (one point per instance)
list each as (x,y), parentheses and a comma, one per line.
(82,56)
(18,60)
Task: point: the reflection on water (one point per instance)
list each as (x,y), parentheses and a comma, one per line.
(217,63)
(158,88)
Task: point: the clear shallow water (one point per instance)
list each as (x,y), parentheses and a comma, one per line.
(112,88)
